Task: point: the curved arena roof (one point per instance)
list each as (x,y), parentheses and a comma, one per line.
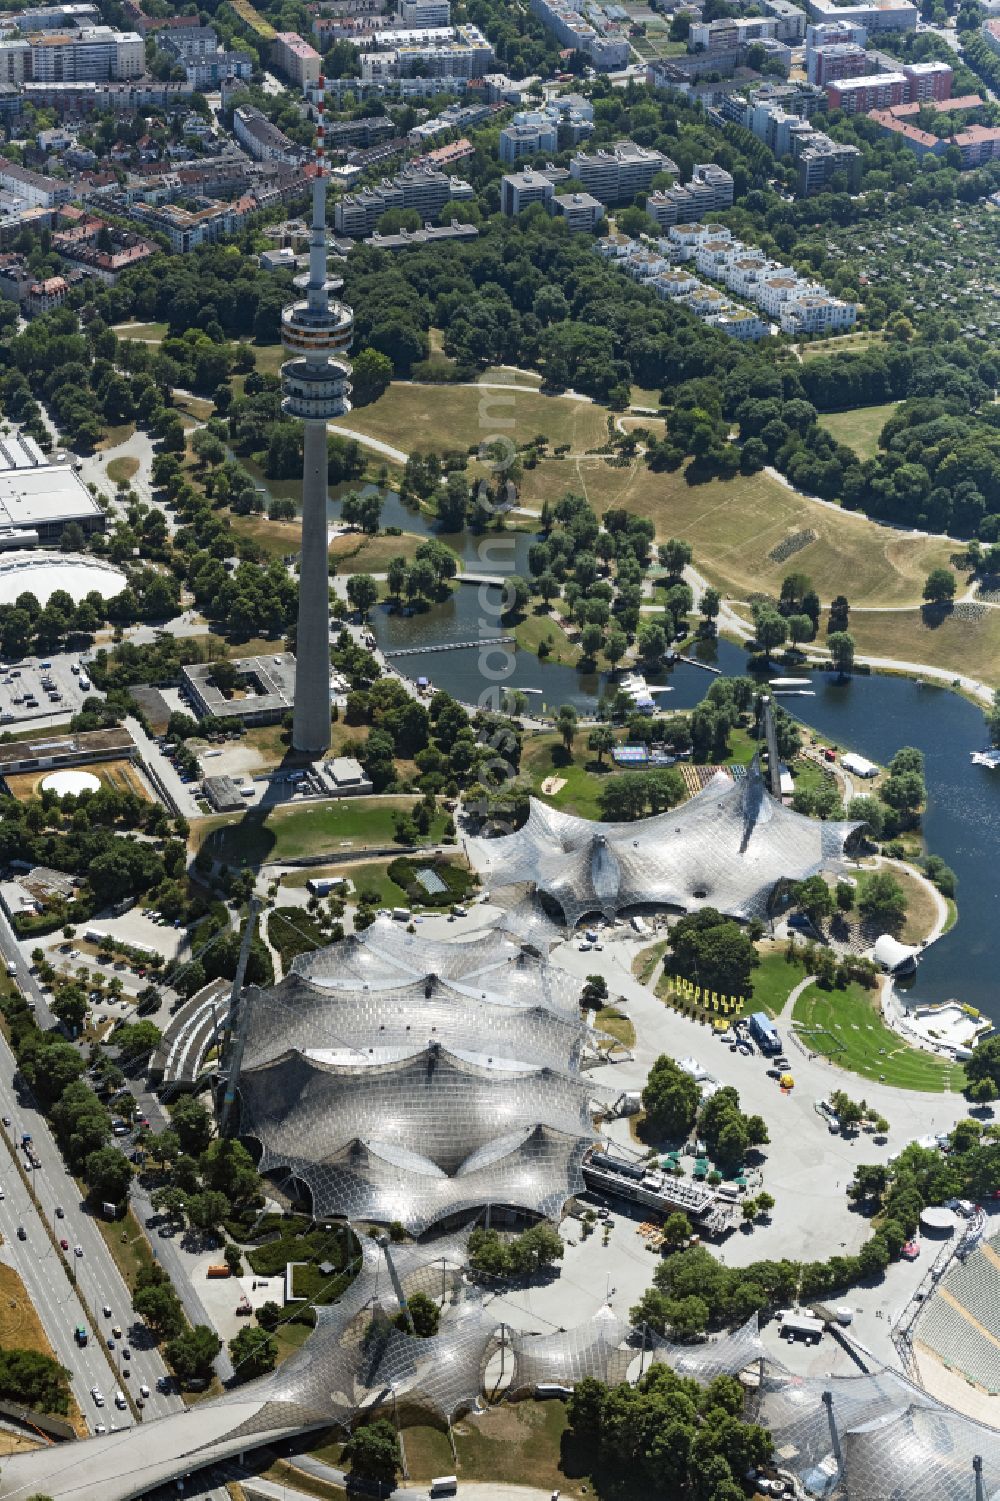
(403,1079)
(42,573)
(730,847)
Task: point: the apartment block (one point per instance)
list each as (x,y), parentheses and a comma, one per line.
(607,49)
(32,188)
(821,158)
(978,144)
(520,140)
(94,53)
(928,81)
(838,60)
(816,313)
(709,191)
(729,34)
(856,96)
(579,211)
(427,191)
(15,60)
(616,176)
(57,17)
(874,15)
(443,52)
(920,142)
(519,190)
(830,33)
(185,42)
(76,99)
(423,13)
(264,141)
(296,59)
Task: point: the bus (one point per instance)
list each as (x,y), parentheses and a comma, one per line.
(219,1269)
(764,1033)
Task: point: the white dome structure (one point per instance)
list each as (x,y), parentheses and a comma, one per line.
(70,783)
(43,573)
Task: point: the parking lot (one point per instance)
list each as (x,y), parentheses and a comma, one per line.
(40,687)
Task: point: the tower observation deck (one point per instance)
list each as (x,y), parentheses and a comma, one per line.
(316,333)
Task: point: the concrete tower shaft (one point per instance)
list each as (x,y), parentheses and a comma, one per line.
(317,331)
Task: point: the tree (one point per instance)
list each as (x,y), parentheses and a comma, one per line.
(840,614)
(193,1125)
(883,901)
(841,647)
(814,898)
(713,951)
(424,1313)
(670,1100)
(362,593)
(138,1039)
(253,1352)
(193,1352)
(373,1452)
(601,739)
(160,1308)
(371,373)
(676,1229)
(770,629)
(108,1173)
(535,1249)
(939,586)
(206,1211)
(566,722)
(674,556)
(595,992)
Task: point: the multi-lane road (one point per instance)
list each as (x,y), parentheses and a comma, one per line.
(100,1281)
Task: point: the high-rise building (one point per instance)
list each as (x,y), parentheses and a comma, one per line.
(316,333)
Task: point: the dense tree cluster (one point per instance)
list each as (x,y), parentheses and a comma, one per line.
(534,1250)
(713,951)
(669,1435)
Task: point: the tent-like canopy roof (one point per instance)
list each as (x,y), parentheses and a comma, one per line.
(404,1079)
(731,847)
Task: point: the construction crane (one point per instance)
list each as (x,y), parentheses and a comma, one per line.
(236,1021)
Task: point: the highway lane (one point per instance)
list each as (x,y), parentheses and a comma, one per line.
(37,1263)
(99,1279)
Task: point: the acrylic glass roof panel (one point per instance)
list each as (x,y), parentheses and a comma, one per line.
(296,1014)
(922,1453)
(729,847)
(491,964)
(596,1348)
(793,1408)
(720,1357)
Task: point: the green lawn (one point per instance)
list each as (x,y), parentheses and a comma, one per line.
(434,417)
(289,832)
(855,1037)
(859,429)
(543,756)
(537,626)
(609,1019)
(841,344)
(374,875)
(738,528)
(773,982)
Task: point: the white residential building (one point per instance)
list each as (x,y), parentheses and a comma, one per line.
(92,54)
(816,312)
(675,283)
(616,176)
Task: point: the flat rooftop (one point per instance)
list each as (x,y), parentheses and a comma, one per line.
(35,492)
(265,683)
(107,743)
